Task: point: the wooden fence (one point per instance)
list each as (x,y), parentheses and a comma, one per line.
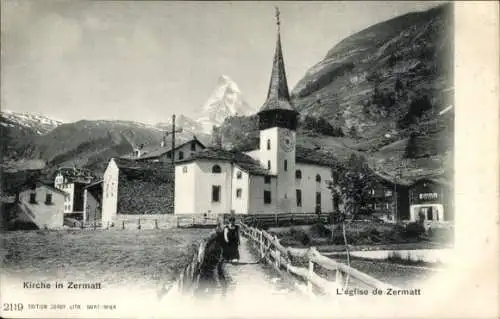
(281,258)
(281,219)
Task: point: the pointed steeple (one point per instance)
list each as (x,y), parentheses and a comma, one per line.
(278,96)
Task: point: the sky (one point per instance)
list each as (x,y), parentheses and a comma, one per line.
(144,61)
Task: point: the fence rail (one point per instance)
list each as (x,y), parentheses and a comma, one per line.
(281,219)
(281,258)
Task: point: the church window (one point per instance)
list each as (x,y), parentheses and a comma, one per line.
(267,197)
(318,178)
(299,197)
(215,193)
(298,174)
(267,179)
(268,164)
(216,169)
(268,144)
(238,174)
(181,155)
(184,169)
(318,202)
(238,193)
(286,165)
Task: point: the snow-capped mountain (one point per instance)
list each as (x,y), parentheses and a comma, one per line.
(36,123)
(181,121)
(226,100)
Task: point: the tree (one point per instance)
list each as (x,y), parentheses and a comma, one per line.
(353,182)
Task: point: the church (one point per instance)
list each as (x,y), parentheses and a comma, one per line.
(278,177)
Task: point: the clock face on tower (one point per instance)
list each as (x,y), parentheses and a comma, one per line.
(286,141)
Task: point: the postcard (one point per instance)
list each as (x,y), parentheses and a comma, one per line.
(249,159)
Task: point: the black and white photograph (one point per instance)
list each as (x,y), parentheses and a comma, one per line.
(191,159)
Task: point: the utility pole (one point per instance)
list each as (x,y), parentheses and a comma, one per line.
(172,150)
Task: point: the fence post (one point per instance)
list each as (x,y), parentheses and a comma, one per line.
(261,243)
(178,224)
(156,223)
(276,219)
(310,274)
(339,278)
(139,223)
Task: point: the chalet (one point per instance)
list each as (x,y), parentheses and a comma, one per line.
(92,202)
(277,177)
(73,181)
(430,200)
(389,197)
(164,152)
(136,187)
(42,205)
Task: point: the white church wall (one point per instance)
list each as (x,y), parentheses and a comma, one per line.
(110,193)
(256,195)
(309,187)
(240,181)
(185,188)
(205,180)
(269,155)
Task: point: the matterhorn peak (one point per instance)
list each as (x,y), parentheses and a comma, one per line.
(226,100)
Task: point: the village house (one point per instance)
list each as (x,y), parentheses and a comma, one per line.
(403,199)
(390,198)
(430,200)
(164,152)
(277,177)
(73,182)
(41,204)
(92,203)
(136,187)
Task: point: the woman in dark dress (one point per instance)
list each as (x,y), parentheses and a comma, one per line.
(231,241)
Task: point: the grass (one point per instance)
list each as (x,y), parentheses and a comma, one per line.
(115,258)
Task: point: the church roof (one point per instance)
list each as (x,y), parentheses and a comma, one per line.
(278,96)
(315,157)
(244,161)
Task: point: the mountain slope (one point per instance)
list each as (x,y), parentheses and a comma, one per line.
(368,80)
(224,101)
(19,130)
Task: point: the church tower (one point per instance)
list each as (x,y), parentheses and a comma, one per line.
(278,125)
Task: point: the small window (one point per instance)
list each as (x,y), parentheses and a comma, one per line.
(193,146)
(238,193)
(267,197)
(184,169)
(286,165)
(33,198)
(388,193)
(181,155)
(318,178)
(298,174)
(216,193)
(269,165)
(238,174)
(267,179)
(299,197)
(268,144)
(48,199)
(216,169)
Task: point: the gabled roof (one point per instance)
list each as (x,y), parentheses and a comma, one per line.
(76,175)
(314,156)
(40,184)
(244,161)
(278,96)
(153,152)
(94,184)
(148,171)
